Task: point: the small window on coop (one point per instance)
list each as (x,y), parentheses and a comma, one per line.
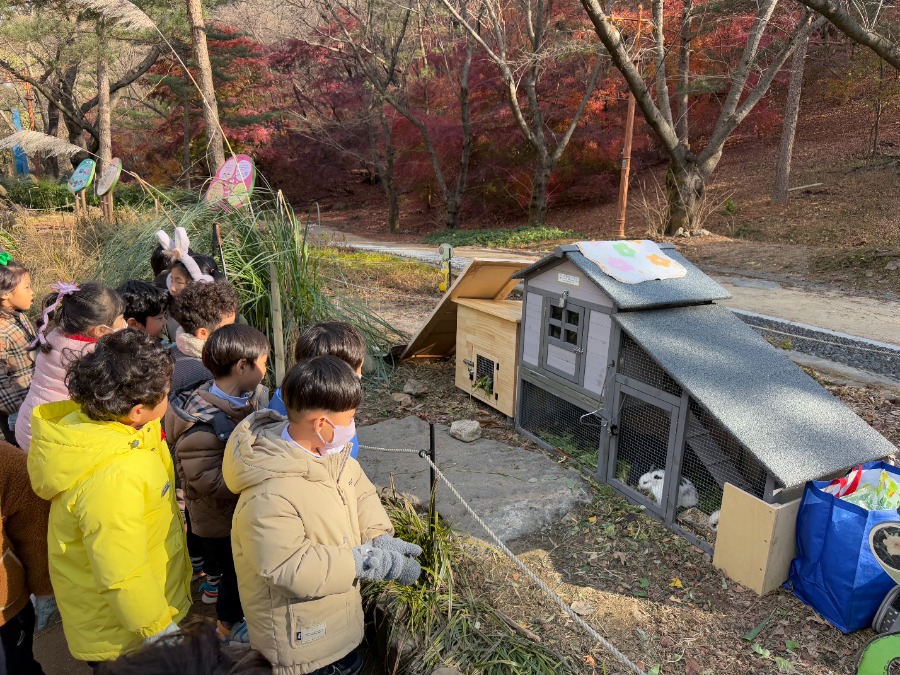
(564,327)
(485,369)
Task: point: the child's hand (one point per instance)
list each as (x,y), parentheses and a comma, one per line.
(45,611)
(389,543)
(410,573)
(375,564)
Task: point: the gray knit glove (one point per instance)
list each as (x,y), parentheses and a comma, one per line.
(388,543)
(375,564)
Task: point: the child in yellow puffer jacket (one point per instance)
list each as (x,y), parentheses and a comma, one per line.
(117,552)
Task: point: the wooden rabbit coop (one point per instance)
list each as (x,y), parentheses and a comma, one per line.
(673,398)
(476,321)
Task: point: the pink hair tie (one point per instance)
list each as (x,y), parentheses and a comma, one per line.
(62,289)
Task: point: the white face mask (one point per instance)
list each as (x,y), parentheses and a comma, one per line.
(342,436)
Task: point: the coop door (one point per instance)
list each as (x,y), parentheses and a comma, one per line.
(642,447)
(563,339)
(484,377)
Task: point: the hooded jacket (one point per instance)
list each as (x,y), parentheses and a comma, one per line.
(297,520)
(23,536)
(116,543)
(198,429)
(49,383)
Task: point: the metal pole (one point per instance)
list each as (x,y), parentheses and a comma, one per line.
(431,455)
(622,204)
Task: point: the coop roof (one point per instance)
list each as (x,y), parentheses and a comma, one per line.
(796,428)
(692,289)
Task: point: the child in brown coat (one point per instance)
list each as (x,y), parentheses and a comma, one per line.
(23,566)
(198,425)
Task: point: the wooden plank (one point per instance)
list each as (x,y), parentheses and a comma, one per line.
(484,279)
(509,310)
(756,541)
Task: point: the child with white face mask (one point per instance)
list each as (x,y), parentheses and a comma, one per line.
(309,524)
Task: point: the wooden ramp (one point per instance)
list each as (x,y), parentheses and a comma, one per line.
(483,279)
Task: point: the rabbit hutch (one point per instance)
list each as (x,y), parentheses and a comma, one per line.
(680,406)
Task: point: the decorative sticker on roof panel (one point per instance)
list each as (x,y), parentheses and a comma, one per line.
(632,262)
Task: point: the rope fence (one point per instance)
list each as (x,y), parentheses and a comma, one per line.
(437,474)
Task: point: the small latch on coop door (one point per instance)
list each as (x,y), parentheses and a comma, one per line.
(562,299)
(471,368)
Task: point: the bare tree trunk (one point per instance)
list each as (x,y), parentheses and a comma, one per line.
(104,108)
(685,186)
(791,113)
(186,126)
(537,207)
(876,125)
(215,153)
(454,201)
(51,164)
(684,67)
(385,165)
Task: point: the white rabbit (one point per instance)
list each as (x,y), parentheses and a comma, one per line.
(714,520)
(652,483)
(687,494)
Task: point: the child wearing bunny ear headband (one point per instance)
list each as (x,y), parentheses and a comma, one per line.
(184,268)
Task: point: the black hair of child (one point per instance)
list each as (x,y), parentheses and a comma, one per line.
(332,338)
(206,264)
(194,650)
(10,276)
(143,300)
(160,261)
(204,305)
(321,383)
(91,305)
(229,345)
(126,369)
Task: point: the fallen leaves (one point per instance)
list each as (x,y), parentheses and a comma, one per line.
(583,608)
(676,583)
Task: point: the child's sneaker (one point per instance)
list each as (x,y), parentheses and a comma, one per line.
(236,636)
(197,565)
(209,589)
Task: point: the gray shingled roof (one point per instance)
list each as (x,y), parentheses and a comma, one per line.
(796,428)
(693,289)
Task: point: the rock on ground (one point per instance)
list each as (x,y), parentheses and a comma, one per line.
(515,491)
(466,431)
(414,388)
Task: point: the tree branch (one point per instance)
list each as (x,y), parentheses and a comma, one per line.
(849,26)
(612,40)
(128,79)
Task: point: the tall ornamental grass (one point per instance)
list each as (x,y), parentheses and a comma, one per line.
(252,239)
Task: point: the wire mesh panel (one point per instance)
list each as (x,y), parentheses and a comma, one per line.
(712,457)
(484,375)
(560,424)
(642,446)
(635,362)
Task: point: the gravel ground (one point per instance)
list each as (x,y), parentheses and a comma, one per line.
(854,352)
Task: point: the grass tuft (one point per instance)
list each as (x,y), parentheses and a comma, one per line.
(441,621)
(520,237)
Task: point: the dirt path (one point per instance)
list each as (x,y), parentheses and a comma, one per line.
(861,316)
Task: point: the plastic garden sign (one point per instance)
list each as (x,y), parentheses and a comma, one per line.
(233,184)
(83,176)
(109,177)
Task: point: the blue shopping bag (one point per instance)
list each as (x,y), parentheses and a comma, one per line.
(835,571)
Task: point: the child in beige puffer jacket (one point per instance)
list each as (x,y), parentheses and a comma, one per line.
(309,524)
